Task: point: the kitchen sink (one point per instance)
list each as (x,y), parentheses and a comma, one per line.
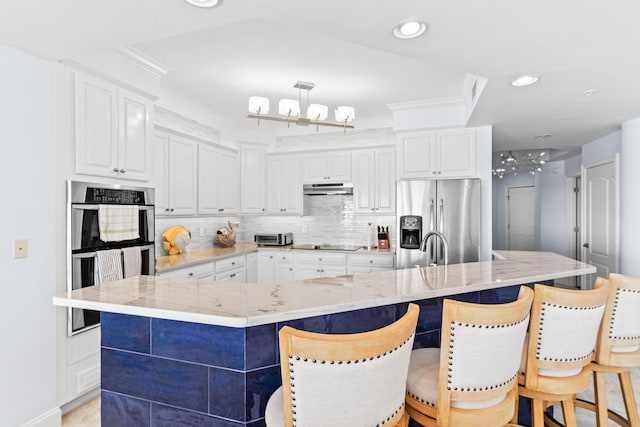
(328,247)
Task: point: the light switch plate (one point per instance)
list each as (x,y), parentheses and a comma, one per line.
(19,249)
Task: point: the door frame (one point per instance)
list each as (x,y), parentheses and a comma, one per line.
(573,208)
(506,214)
(586,281)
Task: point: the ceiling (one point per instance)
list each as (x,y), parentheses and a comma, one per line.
(218,57)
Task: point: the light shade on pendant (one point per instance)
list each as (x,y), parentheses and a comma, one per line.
(345,114)
(259,105)
(289,108)
(317,112)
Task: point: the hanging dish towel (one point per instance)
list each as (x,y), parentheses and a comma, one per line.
(108,266)
(118,222)
(132,261)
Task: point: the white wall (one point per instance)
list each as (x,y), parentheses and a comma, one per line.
(629,200)
(484,135)
(602,148)
(550,196)
(500,187)
(27,314)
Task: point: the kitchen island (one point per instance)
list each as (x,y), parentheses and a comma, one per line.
(197,352)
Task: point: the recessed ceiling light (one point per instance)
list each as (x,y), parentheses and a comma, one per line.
(409,29)
(590,92)
(525,80)
(203,3)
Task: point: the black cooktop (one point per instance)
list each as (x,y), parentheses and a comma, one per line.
(327,247)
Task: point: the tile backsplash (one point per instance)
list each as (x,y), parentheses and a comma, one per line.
(326,219)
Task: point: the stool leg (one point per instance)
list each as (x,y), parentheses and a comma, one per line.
(537,413)
(569,413)
(629,398)
(600,393)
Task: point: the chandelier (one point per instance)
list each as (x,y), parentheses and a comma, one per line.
(290,110)
(524,161)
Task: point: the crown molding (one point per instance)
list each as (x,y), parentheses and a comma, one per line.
(141,60)
(425,103)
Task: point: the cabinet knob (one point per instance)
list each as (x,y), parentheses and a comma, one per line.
(439,172)
(434,172)
(190,274)
(115,170)
(370,261)
(221,210)
(285,209)
(171,210)
(319,259)
(233,275)
(122,171)
(166,209)
(262,209)
(233,263)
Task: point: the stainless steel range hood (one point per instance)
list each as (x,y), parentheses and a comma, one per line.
(337,188)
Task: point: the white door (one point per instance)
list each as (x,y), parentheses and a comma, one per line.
(521,219)
(601,220)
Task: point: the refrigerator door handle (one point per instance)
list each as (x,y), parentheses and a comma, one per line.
(440,252)
(433,256)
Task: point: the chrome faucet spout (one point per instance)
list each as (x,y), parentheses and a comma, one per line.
(425,247)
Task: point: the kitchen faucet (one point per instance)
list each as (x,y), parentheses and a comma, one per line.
(425,244)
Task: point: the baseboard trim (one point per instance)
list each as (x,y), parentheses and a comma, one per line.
(52,418)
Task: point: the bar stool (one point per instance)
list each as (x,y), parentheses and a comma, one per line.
(343,380)
(560,347)
(471,379)
(618,350)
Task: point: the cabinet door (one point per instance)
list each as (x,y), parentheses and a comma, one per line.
(306,271)
(416,155)
(207,180)
(284,272)
(385,181)
(291,186)
(183,177)
(339,167)
(274,185)
(252,180)
(252,267)
(315,168)
(266,267)
(96,126)
(228,182)
(161,172)
(135,133)
(364,182)
(456,152)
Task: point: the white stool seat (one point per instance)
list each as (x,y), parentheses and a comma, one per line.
(274,413)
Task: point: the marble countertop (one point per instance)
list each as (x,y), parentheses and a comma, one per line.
(249,304)
(199,256)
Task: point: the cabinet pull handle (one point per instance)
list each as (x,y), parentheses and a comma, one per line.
(233,275)
(115,170)
(122,171)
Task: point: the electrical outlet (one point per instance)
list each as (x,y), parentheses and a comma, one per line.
(304,228)
(19,249)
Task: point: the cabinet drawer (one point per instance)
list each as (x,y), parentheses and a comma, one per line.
(361,270)
(321,258)
(200,271)
(235,275)
(284,258)
(230,263)
(364,260)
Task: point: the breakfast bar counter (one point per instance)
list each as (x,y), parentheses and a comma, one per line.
(199,352)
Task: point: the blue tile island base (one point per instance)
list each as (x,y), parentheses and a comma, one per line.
(158,372)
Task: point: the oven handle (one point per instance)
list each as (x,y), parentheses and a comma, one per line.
(95,207)
(93,254)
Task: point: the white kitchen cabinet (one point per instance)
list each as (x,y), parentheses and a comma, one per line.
(374,181)
(327,167)
(314,264)
(251,268)
(284,189)
(252,179)
(218,181)
(175,174)
(368,263)
(113,130)
(198,271)
(231,269)
(437,154)
(276,265)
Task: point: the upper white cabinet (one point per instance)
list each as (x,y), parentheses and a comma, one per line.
(218,181)
(327,167)
(374,181)
(437,154)
(252,179)
(175,174)
(112,130)
(284,189)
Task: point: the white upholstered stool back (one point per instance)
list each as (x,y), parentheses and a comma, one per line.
(472,379)
(561,345)
(343,380)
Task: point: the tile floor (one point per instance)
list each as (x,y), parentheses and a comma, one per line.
(88,415)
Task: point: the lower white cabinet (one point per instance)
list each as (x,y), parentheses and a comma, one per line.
(199,271)
(369,263)
(251,267)
(309,265)
(231,269)
(275,266)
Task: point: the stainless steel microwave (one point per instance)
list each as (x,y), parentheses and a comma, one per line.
(274,239)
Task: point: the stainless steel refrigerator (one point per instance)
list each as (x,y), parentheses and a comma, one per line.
(450,207)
